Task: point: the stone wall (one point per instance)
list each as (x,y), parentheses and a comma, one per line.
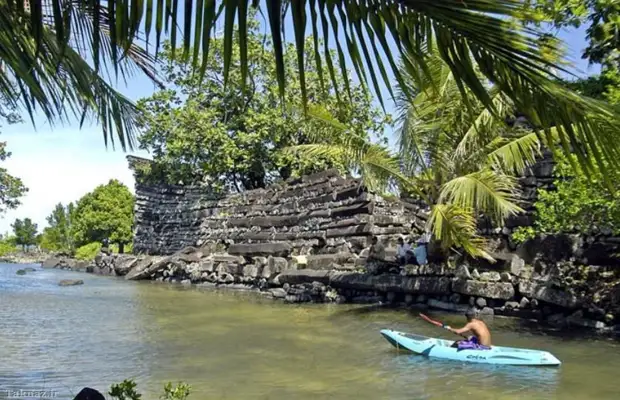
(562,296)
(323,213)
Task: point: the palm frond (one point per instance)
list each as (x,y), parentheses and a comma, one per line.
(377,167)
(485,125)
(483,191)
(49,72)
(514,155)
(454,226)
(506,53)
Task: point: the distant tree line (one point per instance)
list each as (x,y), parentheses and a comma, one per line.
(79,228)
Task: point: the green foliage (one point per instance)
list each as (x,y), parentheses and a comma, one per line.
(88,251)
(127,249)
(579,203)
(231,136)
(50,67)
(454,155)
(523,234)
(104,213)
(25,232)
(179,392)
(126,390)
(601,16)
(58,236)
(11,188)
(8,245)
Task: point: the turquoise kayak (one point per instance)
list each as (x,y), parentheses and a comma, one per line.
(440,348)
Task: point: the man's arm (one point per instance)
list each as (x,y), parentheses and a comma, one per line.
(461,331)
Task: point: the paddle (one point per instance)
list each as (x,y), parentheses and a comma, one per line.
(439,324)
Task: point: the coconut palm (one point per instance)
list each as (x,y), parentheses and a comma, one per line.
(469,35)
(453,154)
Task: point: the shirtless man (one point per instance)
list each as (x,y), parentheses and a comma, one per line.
(482,336)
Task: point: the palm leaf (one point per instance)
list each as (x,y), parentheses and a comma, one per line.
(453,227)
(52,74)
(513,156)
(484,191)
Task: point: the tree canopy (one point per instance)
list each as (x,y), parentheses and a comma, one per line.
(231,136)
(11,187)
(58,235)
(25,232)
(104,213)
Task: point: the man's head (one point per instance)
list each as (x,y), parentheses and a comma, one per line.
(471,314)
(374,240)
(401,241)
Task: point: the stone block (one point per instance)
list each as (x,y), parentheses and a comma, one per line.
(296,277)
(327,261)
(516,265)
(444,305)
(390,283)
(260,249)
(490,276)
(493,290)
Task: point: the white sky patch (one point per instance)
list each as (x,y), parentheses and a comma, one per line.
(59,165)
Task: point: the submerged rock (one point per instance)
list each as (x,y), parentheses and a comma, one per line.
(20,272)
(70,282)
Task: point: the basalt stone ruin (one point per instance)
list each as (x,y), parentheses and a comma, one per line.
(308,241)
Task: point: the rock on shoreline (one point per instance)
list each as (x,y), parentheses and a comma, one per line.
(24,258)
(527,295)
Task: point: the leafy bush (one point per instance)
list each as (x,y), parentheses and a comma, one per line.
(523,233)
(126,390)
(579,204)
(88,251)
(179,392)
(128,248)
(7,246)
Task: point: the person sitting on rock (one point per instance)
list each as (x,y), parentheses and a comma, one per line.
(403,252)
(420,251)
(376,256)
(377,250)
(481,340)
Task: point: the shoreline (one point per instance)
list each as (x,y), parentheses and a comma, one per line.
(24,258)
(298,280)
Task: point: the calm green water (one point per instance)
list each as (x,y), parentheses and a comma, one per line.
(239,346)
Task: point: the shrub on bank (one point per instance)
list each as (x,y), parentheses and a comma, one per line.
(128,248)
(126,390)
(7,247)
(578,203)
(88,251)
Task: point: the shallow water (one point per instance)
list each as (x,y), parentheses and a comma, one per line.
(240,346)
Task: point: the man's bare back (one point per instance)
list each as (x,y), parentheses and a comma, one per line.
(479,329)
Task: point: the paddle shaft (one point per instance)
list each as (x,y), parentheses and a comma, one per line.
(439,324)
